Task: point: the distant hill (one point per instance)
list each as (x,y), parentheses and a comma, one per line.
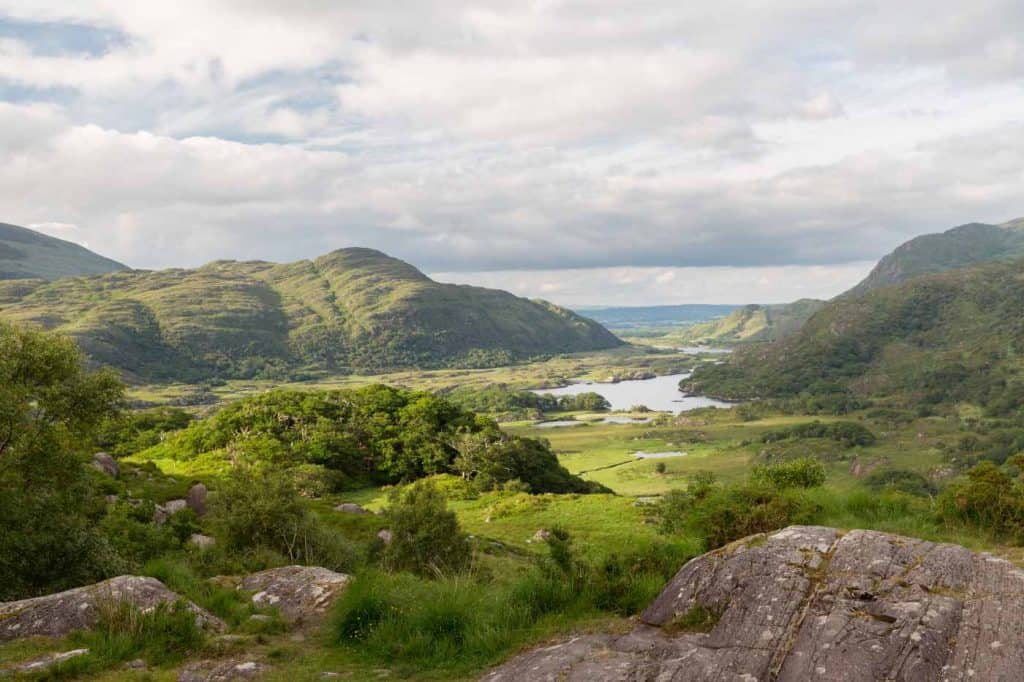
(956,335)
(751,323)
(26,254)
(955,248)
(634,317)
(353,309)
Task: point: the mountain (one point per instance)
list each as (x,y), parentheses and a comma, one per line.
(353,309)
(955,248)
(638,317)
(26,254)
(950,336)
(752,323)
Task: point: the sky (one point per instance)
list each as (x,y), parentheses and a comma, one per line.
(589,152)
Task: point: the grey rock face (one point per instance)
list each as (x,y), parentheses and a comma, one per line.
(107,464)
(200,541)
(811,603)
(221,671)
(351,508)
(302,593)
(56,615)
(385,536)
(196,499)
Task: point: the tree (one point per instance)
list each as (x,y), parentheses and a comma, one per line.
(425,535)
(50,408)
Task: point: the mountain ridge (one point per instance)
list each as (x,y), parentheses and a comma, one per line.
(351,309)
(28,254)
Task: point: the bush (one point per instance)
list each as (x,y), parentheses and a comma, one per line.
(260,509)
(798,473)
(903,480)
(425,536)
(989,498)
(167,634)
(847,434)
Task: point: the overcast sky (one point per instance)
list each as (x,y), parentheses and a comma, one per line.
(650,151)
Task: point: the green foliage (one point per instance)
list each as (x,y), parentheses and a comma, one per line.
(804,472)
(990,498)
(425,536)
(337,440)
(466,622)
(903,480)
(350,309)
(49,410)
(492,461)
(166,634)
(259,509)
(847,434)
(133,432)
(772,499)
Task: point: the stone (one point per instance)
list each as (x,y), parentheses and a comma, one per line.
(385,536)
(808,603)
(301,593)
(168,509)
(200,541)
(102,461)
(196,499)
(543,535)
(222,671)
(42,663)
(56,615)
(137,664)
(352,508)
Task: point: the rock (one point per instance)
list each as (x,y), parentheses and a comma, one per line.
(167,510)
(137,664)
(201,541)
(42,663)
(221,671)
(861,467)
(808,603)
(385,536)
(56,615)
(196,499)
(301,593)
(102,461)
(543,535)
(351,508)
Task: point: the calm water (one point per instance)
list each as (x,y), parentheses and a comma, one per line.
(661,394)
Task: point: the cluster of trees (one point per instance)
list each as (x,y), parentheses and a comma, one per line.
(372,435)
(507,402)
(847,434)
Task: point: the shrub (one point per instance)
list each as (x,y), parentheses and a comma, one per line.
(903,480)
(425,536)
(989,498)
(798,473)
(260,509)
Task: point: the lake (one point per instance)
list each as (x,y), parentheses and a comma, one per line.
(661,394)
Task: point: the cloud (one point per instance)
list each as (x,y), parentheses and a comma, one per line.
(478,136)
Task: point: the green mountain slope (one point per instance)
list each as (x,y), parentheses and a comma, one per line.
(25,254)
(751,323)
(956,248)
(957,335)
(351,309)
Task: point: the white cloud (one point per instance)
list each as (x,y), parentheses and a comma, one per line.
(517,136)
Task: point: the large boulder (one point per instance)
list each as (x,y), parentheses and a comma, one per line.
(102,461)
(56,615)
(301,593)
(196,499)
(809,603)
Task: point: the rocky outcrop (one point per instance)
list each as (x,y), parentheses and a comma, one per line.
(222,671)
(56,615)
(810,603)
(352,508)
(102,461)
(41,664)
(301,593)
(196,499)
